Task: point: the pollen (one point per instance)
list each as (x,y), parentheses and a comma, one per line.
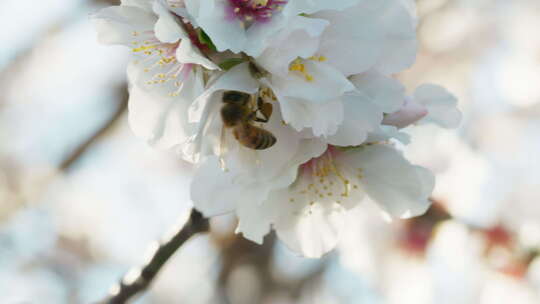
(298,66)
(250,11)
(325,180)
(318,58)
(144,48)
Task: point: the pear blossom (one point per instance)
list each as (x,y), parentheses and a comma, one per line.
(326,68)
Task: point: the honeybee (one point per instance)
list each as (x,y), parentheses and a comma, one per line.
(238,114)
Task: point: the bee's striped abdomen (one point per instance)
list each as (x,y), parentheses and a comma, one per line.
(254,137)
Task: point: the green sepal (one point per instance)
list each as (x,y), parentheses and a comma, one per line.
(205,39)
(230,63)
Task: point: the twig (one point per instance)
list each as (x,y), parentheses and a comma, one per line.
(121,108)
(139,279)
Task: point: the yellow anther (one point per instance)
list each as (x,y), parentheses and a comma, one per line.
(144,48)
(260,2)
(318,58)
(298,66)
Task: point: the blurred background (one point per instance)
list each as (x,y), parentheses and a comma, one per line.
(81,198)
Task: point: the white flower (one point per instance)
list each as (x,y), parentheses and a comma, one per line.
(353,37)
(166,74)
(309,61)
(305,201)
(345,121)
(376,35)
(166,54)
(325,67)
(247,25)
(162,120)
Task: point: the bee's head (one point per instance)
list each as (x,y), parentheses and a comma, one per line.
(236,97)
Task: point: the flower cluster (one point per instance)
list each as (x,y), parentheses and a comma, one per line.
(287,108)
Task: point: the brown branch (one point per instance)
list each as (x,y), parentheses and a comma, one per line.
(129,287)
(121,108)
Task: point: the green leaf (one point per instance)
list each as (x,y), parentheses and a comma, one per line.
(230,63)
(205,39)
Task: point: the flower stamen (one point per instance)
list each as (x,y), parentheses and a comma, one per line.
(298,66)
(322,180)
(248,11)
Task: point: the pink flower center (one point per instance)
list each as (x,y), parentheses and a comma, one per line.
(254,10)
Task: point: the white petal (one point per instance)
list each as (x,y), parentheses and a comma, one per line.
(389,179)
(373,34)
(327,83)
(361,117)
(410,113)
(144,4)
(163,121)
(279,170)
(213,191)
(121,24)
(427,180)
(225,32)
(188,53)
(400,45)
(353,41)
(254,222)
(260,34)
(254,218)
(441,105)
(311,231)
(192,10)
(384,133)
(300,38)
(297,7)
(386,92)
(167,28)
(323,119)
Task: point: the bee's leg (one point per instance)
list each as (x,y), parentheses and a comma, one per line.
(265,109)
(253,116)
(222,150)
